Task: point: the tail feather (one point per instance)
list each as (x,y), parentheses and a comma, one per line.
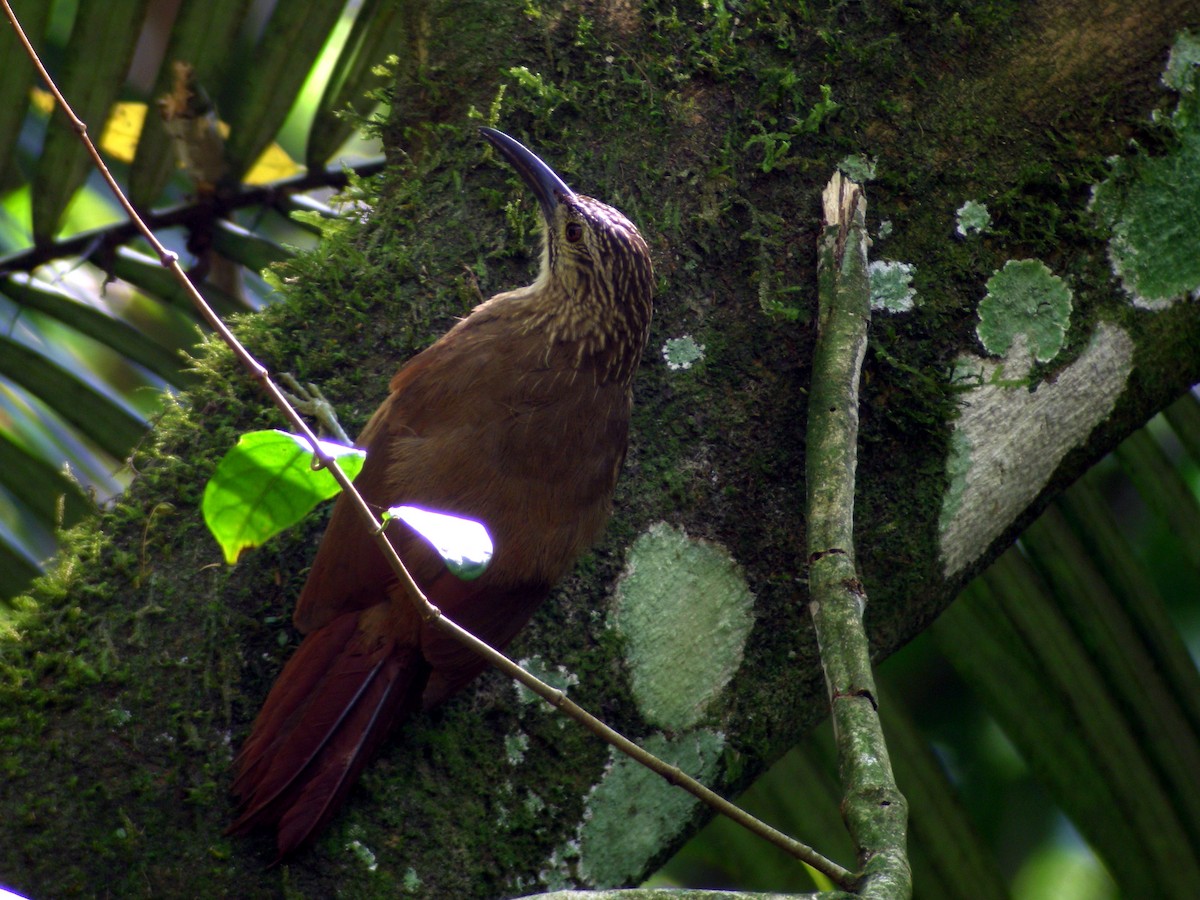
(355,745)
(332,706)
(301,680)
(267,779)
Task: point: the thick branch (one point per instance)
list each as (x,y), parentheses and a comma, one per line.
(874,809)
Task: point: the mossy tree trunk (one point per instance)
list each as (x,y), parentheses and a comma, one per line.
(136,668)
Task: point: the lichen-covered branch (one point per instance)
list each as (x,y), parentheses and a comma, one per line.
(874,810)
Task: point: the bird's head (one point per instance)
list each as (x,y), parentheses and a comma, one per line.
(596,281)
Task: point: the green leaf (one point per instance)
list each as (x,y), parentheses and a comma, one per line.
(17,568)
(273,73)
(81,400)
(43,491)
(1159,480)
(267,483)
(949,855)
(463,544)
(165,361)
(379,28)
(95,62)
(252,250)
(18,75)
(1044,671)
(148,275)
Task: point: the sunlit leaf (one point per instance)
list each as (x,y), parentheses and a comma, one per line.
(42,100)
(124,129)
(267,483)
(273,165)
(378,28)
(204,36)
(121,132)
(463,544)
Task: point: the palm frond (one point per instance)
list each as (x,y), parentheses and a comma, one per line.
(77,354)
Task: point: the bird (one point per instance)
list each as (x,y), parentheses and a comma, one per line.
(517,417)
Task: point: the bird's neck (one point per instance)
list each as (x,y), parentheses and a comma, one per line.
(607,337)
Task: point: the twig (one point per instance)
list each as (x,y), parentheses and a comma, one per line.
(187,214)
(874,809)
(430,612)
(86,243)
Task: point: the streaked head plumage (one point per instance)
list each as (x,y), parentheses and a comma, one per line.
(596,280)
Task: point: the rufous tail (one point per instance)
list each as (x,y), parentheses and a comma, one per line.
(343,691)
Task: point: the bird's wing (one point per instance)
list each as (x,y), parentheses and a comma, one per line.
(349,571)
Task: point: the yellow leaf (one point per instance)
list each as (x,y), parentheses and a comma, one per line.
(122,130)
(43,101)
(273,165)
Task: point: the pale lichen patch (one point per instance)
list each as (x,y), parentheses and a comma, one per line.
(1152,204)
(958,463)
(557,677)
(1009,440)
(363,854)
(859,167)
(682,352)
(556,874)
(685,611)
(1153,209)
(412,881)
(891,285)
(633,812)
(1025,298)
(515,746)
(973,218)
(1182,72)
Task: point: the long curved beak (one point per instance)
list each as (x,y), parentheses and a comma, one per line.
(542,180)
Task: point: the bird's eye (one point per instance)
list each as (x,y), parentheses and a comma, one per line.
(574,232)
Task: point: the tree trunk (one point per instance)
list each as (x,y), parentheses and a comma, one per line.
(134,671)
